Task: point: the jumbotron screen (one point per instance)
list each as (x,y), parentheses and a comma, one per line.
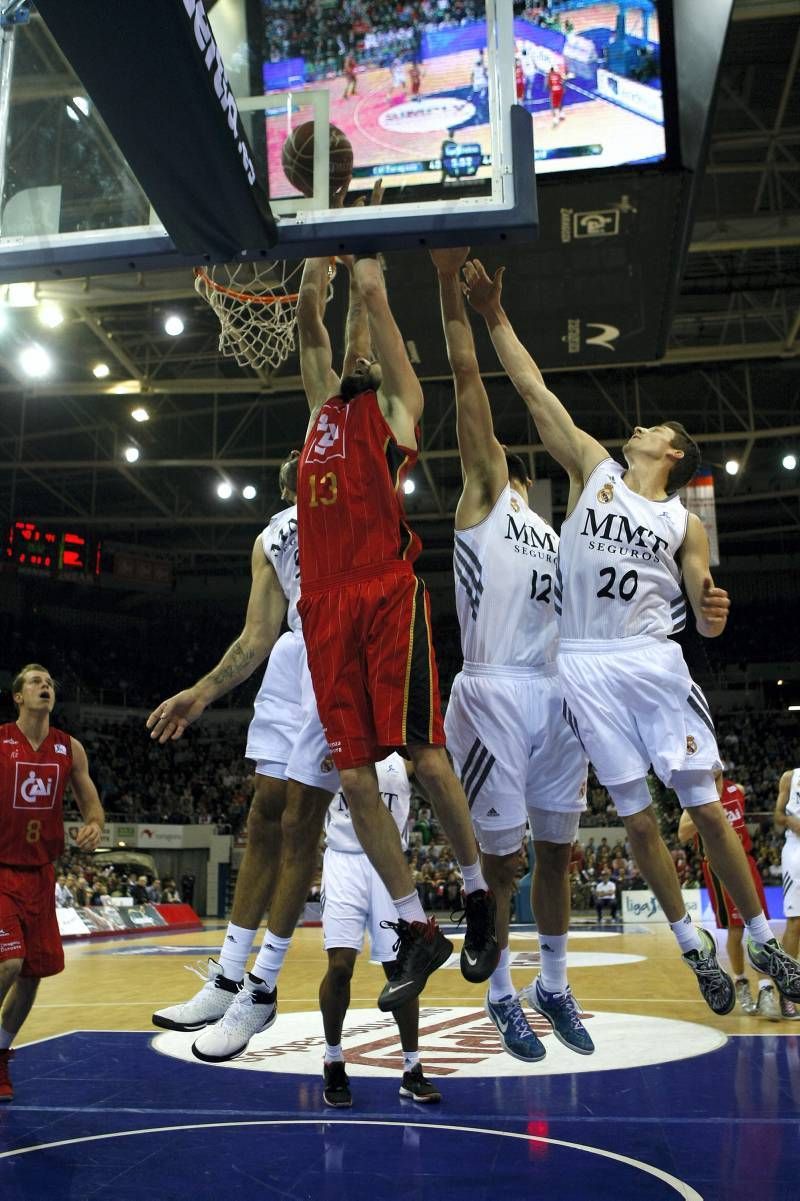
(412,96)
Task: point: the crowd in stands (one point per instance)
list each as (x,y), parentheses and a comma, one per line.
(80,884)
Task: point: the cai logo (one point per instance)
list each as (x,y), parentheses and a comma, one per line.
(36,785)
(328,438)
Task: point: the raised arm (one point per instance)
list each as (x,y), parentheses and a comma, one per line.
(784,820)
(576,451)
(265,610)
(483,461)
(87,799)
(710,604)
(400,388)
(316,357)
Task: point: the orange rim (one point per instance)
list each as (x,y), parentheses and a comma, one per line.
(246,297)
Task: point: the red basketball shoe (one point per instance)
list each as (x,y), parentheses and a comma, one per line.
(6,1087)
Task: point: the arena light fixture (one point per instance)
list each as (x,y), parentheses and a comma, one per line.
(409,486)
(794,708)
(51,314)
(732,466)
(173,325)
(780,682)
(35,361)
(789,462)
(224,490)
(82,104)
(101,370)
(249,492)
(131,454)
(140,414)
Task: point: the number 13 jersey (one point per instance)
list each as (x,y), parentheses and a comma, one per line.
(618,562)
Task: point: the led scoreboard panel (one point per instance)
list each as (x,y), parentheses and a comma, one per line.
(61,552)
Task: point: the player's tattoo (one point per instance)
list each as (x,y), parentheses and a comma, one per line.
(232,666)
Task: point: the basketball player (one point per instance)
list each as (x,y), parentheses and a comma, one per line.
(725,912)
(398,84)
(787,818)
(366,622)
(350,76)
(414,80)
(37,761)
(555,86)
(517,758)
(626,543)
(355,900)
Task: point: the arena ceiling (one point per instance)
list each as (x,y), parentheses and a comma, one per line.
(731,372)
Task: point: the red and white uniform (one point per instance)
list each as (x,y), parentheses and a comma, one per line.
(519,80)
(365,614)
(32,784)
(722,903)
(555,86)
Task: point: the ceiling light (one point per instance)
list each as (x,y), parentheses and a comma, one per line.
(140,415)
(793,708)
(224,490)
(126,387)
(73,116)
(131,454)
(20,295)
(789,461)
(249,492)
(408,487)
(35,361)
(51,314)
(779,683)
(732,466)
(173,325)
(101,370)
(82,103)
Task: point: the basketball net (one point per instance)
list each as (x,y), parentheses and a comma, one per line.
(256,305)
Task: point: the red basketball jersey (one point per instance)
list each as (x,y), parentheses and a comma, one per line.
(350,516)
(32,787)
(555,81)
(733,803)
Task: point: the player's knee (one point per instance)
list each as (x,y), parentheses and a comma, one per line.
(266,811)
(431,766)
(501,871)
(641,826)
(552,859)
(302,820)
(9,973)
(340,968)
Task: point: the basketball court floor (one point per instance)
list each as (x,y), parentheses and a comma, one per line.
(674,1103)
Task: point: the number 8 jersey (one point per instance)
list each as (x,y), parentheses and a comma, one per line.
(32,787)
(618,562)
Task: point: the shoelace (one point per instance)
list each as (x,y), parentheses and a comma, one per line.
(570,1007)
(779,964)
(517,1019)
(401,942)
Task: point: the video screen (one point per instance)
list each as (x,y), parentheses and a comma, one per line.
(411,91)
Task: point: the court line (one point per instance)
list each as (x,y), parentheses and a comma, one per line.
(681,1187)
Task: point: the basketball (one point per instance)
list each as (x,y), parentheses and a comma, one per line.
(297,158)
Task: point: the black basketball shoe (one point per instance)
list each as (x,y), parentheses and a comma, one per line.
(480,952)
(421,948)
(336,1090)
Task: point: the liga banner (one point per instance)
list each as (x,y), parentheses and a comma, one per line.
(700,500)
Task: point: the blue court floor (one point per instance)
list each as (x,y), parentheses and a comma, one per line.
(105,1115)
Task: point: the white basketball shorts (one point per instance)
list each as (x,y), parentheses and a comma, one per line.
(632,702)
(790,870)
(310,761)
(514,752)
(277,711)
(354,899)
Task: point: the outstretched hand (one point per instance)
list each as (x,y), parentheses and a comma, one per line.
(449,261)
(171,718)
(714,608)
(481,290)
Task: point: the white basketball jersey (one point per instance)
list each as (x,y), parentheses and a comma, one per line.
(505,577)
(793,806)
(618,567)
(279,540)
(395,790)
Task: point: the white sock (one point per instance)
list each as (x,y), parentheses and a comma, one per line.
(758,929)
(764,984)
(500,984)
(236,948)
(270,959)
(410,908)
(553,952)
(686,933)
(410,1060)
(5,1039)
(473,877)
(334,1054)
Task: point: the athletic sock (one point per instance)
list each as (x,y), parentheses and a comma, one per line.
(236,948)
(410,908)
(270,959)
(686,933)
(5,1039)
(553,953)
(410,1060)
(473,877)
(758,929)
(334,1054)
(500,983)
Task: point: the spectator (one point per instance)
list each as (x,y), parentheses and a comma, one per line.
(605,896)
(64,896)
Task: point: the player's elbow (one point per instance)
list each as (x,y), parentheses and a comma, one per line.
(463,364)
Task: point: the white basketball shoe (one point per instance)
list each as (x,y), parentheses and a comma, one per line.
(206,1006)
(251,1011)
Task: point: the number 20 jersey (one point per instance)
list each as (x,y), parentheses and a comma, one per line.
(32,787)
(505,576)
(618,562)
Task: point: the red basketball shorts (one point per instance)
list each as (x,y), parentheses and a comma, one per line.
(725,911)
(557,97)
(373,666)
(28,924)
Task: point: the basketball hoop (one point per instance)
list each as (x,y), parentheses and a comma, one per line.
(256,305)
